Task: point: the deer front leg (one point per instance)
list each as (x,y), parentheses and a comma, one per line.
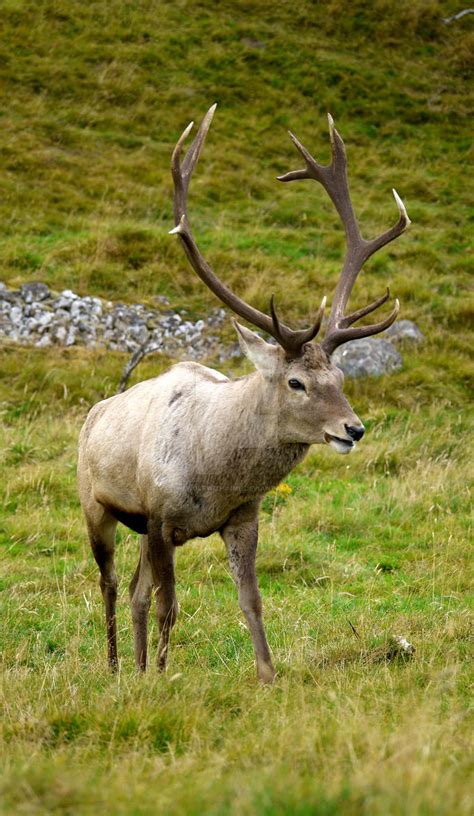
(161,553)
(240,534)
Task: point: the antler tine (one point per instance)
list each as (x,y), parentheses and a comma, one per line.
(340,336)
(311,333)
(333,178)
(182,172)
(276,320)
(291,341)
(349,319)
(312,169)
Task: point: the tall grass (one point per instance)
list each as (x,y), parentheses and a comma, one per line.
(353,549)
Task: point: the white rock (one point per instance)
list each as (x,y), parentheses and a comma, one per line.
(404,330)
(16,315)
(368,357)
(60,334)
(44,341)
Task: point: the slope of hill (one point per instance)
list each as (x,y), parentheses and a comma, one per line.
(94,97)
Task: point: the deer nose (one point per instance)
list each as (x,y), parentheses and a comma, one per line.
(355,432)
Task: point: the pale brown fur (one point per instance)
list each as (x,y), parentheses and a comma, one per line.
(191,453)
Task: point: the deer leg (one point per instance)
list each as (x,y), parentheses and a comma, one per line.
(102,538)
(161,553)
(140,599)
(240,535)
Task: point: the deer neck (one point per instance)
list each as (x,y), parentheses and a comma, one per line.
(250,440)
(249,410)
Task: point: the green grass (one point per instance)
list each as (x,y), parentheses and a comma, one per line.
(377,542)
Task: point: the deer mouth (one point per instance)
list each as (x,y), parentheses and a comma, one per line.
(339,445)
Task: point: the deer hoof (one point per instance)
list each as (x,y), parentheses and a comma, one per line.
(265,673)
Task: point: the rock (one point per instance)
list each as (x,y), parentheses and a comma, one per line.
(62,314)
(44,341)
(69,294)
(34,292)
(45,318)
(35,315)
(16,315)
(77,308)
(65,299)
(94,304)
(404,330)
(217,317)
(369,357)
(9,297)
(70,337)
(232,350)
(60,334)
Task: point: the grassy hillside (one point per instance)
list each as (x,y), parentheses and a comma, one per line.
(353,549)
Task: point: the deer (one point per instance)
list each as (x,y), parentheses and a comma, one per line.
(192,452)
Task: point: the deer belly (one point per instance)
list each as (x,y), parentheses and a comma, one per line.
(199,516)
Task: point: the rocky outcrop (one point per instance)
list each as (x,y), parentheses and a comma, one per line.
(369,357)
(404,331)
(34,315)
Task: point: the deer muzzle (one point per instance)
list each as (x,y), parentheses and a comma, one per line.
(346,443)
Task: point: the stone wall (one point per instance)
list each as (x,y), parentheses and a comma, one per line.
(34,315)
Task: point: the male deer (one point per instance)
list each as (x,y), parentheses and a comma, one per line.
(192,452)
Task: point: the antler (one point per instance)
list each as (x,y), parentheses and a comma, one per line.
(333,177)
(291,341)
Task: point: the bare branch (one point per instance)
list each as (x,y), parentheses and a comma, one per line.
(134,360)
(458,16)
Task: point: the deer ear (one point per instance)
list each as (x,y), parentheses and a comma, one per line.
(264,356)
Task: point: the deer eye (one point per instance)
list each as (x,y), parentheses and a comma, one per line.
(297,385)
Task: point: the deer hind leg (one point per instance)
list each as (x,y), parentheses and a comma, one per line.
(140,599)
(240,535)
(101,527)
(161,553)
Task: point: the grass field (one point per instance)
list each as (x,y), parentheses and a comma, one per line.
(352,549)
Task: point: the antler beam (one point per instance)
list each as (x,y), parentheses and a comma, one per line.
(292,341)
(333,178)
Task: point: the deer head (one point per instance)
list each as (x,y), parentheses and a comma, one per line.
(302,381)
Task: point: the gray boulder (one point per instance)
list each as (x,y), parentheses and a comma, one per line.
(34,292)
(369,357)
(404,331)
